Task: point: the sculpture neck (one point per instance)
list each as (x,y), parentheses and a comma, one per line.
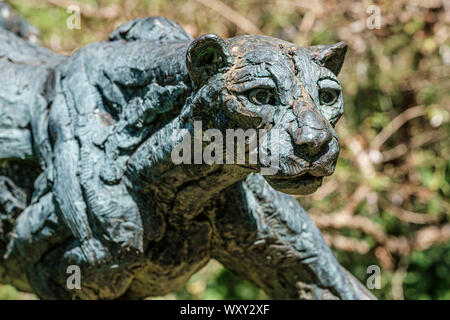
(180,184)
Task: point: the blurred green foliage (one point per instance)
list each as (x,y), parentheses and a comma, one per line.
(391,189)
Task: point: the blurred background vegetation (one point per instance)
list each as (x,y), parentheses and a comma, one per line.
(388,202)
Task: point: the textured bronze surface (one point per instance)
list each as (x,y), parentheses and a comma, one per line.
(87,179)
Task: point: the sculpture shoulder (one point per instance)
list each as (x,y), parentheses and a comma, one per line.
(158,29)
(140,52)
(156,46)
(17,50)
(114,89)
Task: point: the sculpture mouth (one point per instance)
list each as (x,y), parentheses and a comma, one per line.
(299,184)
(302,177)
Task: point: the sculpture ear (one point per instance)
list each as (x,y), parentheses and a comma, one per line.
(329,56)
(205,57)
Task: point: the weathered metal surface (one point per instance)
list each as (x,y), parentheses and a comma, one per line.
(96,131)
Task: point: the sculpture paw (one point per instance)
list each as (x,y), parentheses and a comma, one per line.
(94,252)
(111,174)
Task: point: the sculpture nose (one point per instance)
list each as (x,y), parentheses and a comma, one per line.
(312,132)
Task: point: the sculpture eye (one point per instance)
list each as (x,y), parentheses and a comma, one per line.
(328,96)
(262,96)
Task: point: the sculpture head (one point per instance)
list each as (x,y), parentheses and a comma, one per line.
(262,82)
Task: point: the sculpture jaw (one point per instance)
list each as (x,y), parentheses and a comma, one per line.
(298,185)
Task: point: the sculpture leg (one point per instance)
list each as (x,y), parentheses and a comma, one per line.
(54,276)
(266,237)
(66,188)
(36,230)
(41,250)
(12,203)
